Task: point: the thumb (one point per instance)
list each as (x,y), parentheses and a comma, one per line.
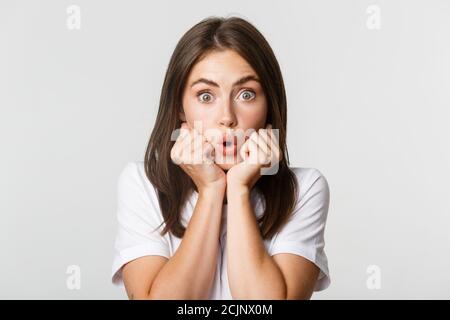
(244,150)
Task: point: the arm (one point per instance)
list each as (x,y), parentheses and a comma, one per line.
(299,273)
(190,272)
(252,272)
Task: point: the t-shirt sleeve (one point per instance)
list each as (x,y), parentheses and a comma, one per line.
(138,217)
(303,234)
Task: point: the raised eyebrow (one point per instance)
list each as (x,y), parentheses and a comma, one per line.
(207,81)
(237,83)
(246,79)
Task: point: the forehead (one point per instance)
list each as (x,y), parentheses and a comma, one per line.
(222,66)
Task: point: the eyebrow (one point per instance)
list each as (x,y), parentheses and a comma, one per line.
(237,83)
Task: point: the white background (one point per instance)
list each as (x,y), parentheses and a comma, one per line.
(367,107)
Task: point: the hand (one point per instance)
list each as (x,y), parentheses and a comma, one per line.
(260,150)
(195,155)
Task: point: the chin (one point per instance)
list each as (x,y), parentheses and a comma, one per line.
(227,162)
(226,166)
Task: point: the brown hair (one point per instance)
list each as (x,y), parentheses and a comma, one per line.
(173,185)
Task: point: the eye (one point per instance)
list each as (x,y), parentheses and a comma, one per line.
(247,95)
(205,97)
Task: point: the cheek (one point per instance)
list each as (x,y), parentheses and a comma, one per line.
(196,114)
(253,116)
(194,111)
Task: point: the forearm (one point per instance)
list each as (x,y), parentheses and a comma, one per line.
(189,274)
(252,273)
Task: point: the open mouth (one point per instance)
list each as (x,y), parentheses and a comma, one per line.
(229,145)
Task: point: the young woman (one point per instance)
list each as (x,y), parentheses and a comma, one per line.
(218,227)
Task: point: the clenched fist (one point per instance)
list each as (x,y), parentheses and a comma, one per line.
(195,155)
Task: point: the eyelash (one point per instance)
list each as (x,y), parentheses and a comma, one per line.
(245,90)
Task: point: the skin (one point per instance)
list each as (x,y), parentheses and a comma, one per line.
(218,103)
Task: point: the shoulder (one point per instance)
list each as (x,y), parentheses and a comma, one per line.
(133,173)
(132,170)
(313,195)
(311,181)
(134,187)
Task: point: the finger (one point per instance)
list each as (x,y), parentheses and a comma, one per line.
(187,139)
(265,144)
(181,140)
(178,148)
(275,140)
(261,154)
(275,144)
(208,153)
(184,129)
(253,149)
(201,148)
(186,147)
(244,150)
(198,141)
(264,139)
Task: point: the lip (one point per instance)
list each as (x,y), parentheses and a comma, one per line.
(228,150)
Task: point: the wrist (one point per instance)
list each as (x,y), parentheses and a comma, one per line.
(216,189)
(237,189)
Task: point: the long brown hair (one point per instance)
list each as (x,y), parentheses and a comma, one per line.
(173,185)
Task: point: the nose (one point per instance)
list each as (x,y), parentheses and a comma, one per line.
(228,117)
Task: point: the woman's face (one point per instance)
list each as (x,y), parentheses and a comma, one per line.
(223,95)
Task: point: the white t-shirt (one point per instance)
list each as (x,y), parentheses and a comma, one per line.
(138,213)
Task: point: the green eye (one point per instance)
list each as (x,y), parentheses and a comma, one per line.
(247,95)
(205,97)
